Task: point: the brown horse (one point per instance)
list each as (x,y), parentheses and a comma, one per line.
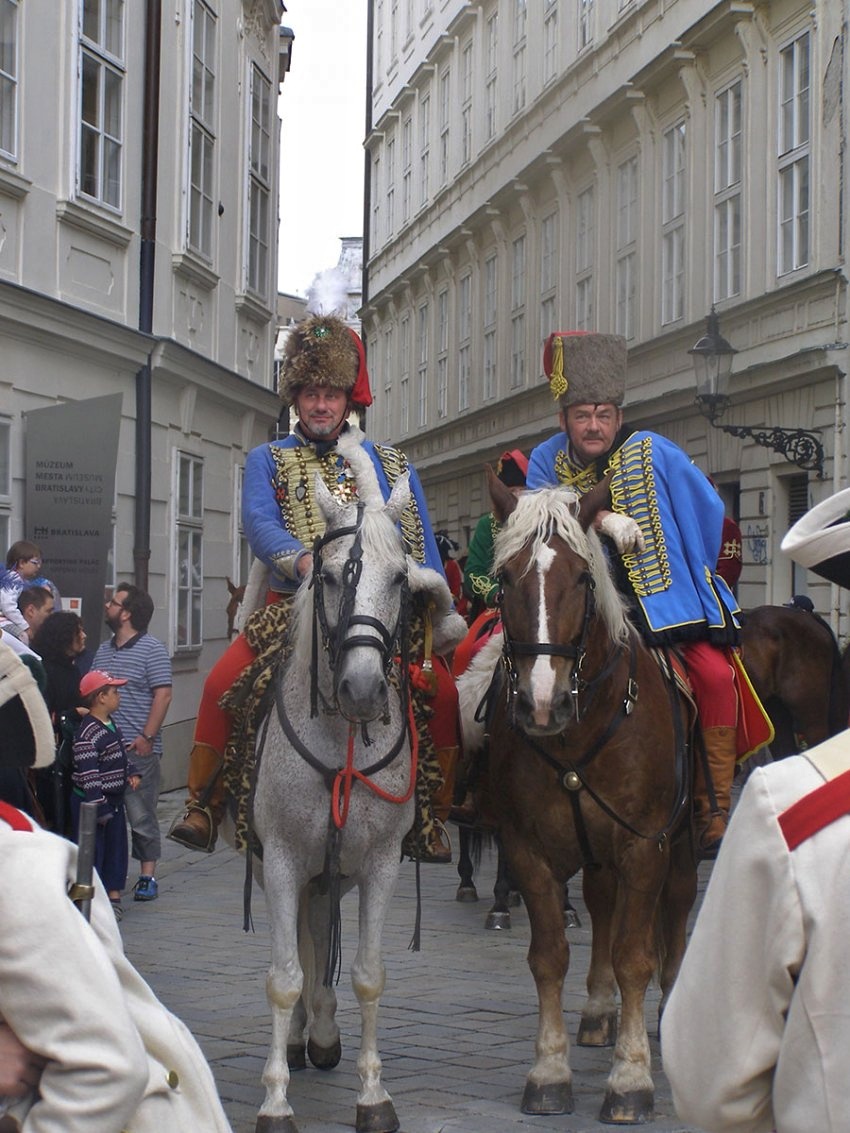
(237,593)
(587,769)
(794,663)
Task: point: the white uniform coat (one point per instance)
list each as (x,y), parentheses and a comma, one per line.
(756,1034)
(117,1059)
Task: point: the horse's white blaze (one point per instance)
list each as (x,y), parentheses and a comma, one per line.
(542,672)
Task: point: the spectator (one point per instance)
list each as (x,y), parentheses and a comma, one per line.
(101,774)
(109,1056)
(36,603)
(478,582)
(23,563)
(756,1033)
(139,657)
(59,641)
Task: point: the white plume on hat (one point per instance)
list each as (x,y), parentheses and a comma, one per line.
(820,539)
(328,294)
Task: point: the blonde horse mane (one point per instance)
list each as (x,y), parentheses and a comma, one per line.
(545,513)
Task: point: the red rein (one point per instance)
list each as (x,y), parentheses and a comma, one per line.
(345,777)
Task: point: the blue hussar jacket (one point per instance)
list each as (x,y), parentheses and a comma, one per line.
(676,592)
(280,516)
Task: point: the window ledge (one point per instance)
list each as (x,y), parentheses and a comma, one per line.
(87,219)
(190,265)
(253,306)
(12,184)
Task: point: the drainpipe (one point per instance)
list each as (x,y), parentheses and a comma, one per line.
(147,254)
(367,161)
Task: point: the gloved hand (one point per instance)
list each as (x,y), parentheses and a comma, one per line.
(624,532)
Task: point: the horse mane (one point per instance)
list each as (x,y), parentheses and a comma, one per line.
(540,515)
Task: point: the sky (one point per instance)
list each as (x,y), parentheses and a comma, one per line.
(323,112)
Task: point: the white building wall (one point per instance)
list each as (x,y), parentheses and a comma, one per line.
(647,68)
(70,286)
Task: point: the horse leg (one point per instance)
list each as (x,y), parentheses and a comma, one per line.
(375,1109)
(323,1046)
(283,991)
(630,1091)
(466,891)
(598,1026)
(499,916)
(677,899)
(548,1086)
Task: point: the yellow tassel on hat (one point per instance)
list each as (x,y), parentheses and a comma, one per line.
(557,379)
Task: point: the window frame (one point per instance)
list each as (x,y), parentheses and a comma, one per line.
(259,219)
(9,86)
(188,585)
(794,138)
(111,71)
(202,136)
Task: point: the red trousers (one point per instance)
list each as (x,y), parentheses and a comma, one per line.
(713,682)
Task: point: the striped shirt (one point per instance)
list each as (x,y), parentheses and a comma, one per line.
(144,663)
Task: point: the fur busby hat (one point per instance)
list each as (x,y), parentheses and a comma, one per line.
(323,350)
(820,540)
(585,368)
(512,468)
(26,733)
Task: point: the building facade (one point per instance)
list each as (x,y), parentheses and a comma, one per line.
(621,166)
(139,170)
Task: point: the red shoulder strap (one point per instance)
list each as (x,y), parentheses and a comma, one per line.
(816,810)
(14,818)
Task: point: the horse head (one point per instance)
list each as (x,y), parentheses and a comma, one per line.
(561,614)
(361,595)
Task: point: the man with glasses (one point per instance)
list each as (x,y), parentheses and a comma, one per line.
(142,660)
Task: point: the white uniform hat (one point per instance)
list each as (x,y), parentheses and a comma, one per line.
(820,540)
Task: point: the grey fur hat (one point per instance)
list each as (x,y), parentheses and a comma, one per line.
(584,368)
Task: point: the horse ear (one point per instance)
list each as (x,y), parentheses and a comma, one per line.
(399,497)
(504,501)
(594,501)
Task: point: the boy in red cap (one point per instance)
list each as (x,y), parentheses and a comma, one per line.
(101,773)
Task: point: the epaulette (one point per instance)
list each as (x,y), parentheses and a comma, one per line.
(816,810)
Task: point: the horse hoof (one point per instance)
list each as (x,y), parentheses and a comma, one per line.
(296,1056)
(380,1118)
(324,1057)
(466,893)
(498,920)
(636,1107)
(266,1124)
(547,1097)
(599,1031)
(514,899)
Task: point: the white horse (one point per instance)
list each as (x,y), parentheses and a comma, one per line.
(334,792)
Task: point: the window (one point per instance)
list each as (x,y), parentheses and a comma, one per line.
(518,313)
(466,105)
(376,202)
(585,23)
(519,55)
(388,383)
(585,251)
(626,267)
(490,305)
(727,192)
(406,169)
(424,148)
(548,273)
(445,124)
(442,354)
(673,225)
(422,368)
(189,571)
(464,334)
(390,178)
(242,554)
(5,481)
(794,141)
(9,79)
(404,379)
(259,192)
(550,40)
(202,131)
(492,90)
(101,101)
(393,29)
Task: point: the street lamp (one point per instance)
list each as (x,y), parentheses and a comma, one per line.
(712,356)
